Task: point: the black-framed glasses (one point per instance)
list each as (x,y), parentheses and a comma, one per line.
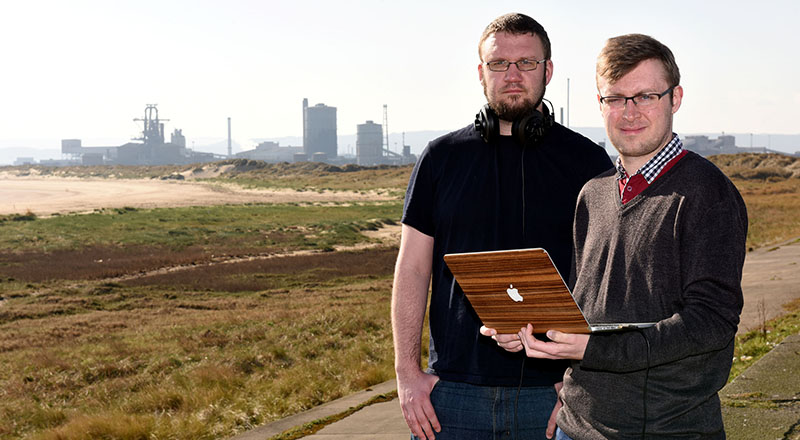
(642,100)
(524,65)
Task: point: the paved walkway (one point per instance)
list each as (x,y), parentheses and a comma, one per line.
(762,403)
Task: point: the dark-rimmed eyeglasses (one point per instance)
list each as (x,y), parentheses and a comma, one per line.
(524,65)
(642,100)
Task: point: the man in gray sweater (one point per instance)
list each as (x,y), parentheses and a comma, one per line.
(659,239)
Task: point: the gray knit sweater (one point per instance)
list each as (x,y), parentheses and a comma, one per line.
(674,255)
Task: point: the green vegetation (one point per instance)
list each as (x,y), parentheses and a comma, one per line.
(28,216)
(754,344)
(244,227)
(96,342)
(317,176)
(162,357)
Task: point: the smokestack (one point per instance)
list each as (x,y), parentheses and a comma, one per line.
(305,117)
(230,152)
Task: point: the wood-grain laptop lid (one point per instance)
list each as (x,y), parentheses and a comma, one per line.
(509,289)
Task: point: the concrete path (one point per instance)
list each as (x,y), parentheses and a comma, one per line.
(375,412)
(762,403)
(771,279)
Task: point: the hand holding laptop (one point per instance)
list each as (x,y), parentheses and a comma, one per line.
(507,341)
(562,345)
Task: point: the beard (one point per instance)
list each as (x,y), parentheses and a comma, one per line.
(515,107)
(514,110)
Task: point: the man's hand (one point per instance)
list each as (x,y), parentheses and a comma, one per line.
(509,342)
(415,401)
(551,423)
(563,345)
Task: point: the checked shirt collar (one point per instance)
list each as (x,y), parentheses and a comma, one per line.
(655,165)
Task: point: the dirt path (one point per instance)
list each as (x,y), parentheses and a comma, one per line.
(45,196)
(771,279)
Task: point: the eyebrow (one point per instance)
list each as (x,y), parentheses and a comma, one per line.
(643,92)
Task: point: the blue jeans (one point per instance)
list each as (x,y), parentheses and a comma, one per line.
(561,436)
(471,412)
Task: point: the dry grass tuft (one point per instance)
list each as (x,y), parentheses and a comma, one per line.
(757,166)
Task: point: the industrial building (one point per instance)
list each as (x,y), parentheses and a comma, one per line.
(271,152)
(372,148)
(724,144)
(151,150)
(372,145)
(319,130)
(369,144)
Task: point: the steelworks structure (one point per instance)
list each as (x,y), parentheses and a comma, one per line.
(319,131)
(151,150)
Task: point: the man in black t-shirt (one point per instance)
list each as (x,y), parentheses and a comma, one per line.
(510,182)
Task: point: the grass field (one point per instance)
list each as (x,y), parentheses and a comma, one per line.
(97,342)
(205,351)
(197,354)
(773,210)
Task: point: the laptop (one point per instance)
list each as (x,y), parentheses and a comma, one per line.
(509,289)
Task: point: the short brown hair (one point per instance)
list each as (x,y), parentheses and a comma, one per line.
(516,24)
(622,54)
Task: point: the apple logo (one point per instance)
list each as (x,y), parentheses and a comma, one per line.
(513,293)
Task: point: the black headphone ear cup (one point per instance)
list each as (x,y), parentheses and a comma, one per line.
(487,124)
(526,130)
(530,129)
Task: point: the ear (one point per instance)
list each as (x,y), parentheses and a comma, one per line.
(677,98)
(480,72)
(599,104)
(548,65)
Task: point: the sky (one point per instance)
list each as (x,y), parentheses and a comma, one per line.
(85,69)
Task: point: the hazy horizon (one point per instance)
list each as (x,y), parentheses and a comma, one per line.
(789,144)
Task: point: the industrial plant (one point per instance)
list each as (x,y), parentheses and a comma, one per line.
(151,148)
(320,142)
(724,144)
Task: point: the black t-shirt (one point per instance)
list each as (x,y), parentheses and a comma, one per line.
(469,196)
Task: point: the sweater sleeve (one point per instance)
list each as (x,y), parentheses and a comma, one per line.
(712,251)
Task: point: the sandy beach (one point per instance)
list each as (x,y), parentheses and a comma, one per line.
(45,196)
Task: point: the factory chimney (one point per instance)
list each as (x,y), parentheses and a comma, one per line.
(305,120)
(230,153)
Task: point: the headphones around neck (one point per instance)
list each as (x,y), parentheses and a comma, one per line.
(528,130)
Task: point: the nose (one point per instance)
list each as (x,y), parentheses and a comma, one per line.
(513,74)
(630,111)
